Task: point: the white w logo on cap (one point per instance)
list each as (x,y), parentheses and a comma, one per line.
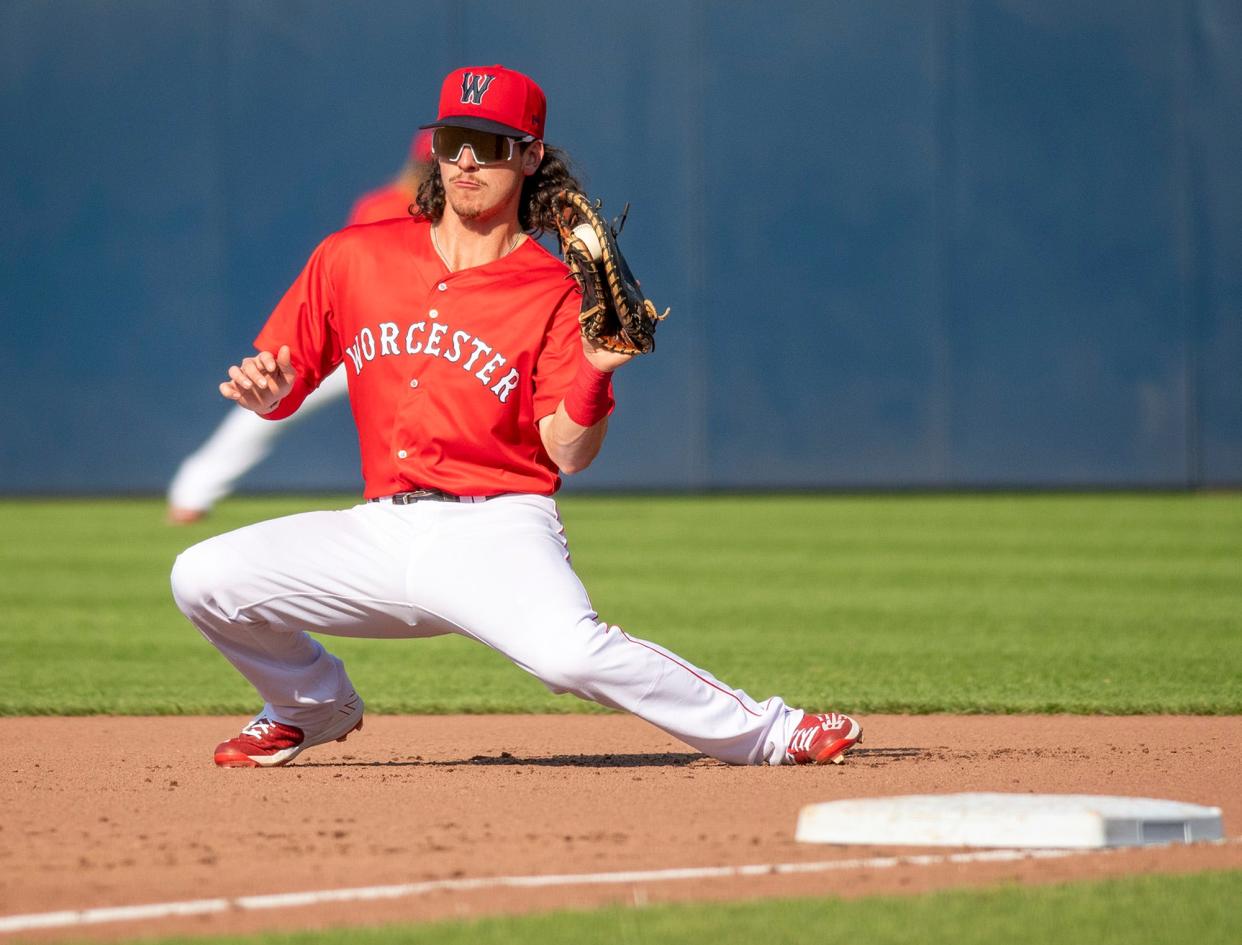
(473,87)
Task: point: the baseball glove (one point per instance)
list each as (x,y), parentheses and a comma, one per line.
(615,314)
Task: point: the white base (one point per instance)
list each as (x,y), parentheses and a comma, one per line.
(1075,821)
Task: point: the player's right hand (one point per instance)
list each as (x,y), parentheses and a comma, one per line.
(261,382)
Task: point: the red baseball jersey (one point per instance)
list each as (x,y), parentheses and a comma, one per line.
(449,372)
(385,203)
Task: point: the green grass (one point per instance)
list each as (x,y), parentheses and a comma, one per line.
(995,603)
(1154,910)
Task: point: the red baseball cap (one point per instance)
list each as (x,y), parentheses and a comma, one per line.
(492,98)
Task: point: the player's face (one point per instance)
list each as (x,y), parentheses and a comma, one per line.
(477,191)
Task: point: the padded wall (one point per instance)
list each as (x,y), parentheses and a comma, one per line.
(905,244)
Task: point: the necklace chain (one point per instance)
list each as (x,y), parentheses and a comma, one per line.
(444,259)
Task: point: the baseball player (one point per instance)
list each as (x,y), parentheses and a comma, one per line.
(473,390)
(243,439)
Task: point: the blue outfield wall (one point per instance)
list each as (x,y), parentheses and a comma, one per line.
(906,244)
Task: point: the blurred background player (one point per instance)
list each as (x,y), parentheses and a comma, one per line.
(243,439)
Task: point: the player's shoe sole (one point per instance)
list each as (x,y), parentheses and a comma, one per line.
(835,752)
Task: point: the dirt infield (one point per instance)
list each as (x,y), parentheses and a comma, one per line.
(103,812)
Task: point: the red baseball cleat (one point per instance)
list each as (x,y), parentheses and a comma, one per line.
(819,739)
(265,743)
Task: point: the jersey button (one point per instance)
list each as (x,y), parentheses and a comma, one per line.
(434,313)
(443,287)
(402,454)
(414,382)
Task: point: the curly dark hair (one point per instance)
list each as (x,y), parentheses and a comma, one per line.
(535,206)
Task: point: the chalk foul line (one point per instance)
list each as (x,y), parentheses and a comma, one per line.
(196,907)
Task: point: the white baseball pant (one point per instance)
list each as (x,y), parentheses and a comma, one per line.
(241,441)
(496,571)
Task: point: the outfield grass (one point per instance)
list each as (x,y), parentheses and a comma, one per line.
(1154,910)
(1088,604)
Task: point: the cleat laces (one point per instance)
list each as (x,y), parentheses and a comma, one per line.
(259,728)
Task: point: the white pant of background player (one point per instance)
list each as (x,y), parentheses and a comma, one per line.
(496,571)
(241,441)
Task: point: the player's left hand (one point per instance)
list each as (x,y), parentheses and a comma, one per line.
(614,314)
(601,358)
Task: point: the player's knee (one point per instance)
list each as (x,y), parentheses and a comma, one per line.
(197,576)
(574,664)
